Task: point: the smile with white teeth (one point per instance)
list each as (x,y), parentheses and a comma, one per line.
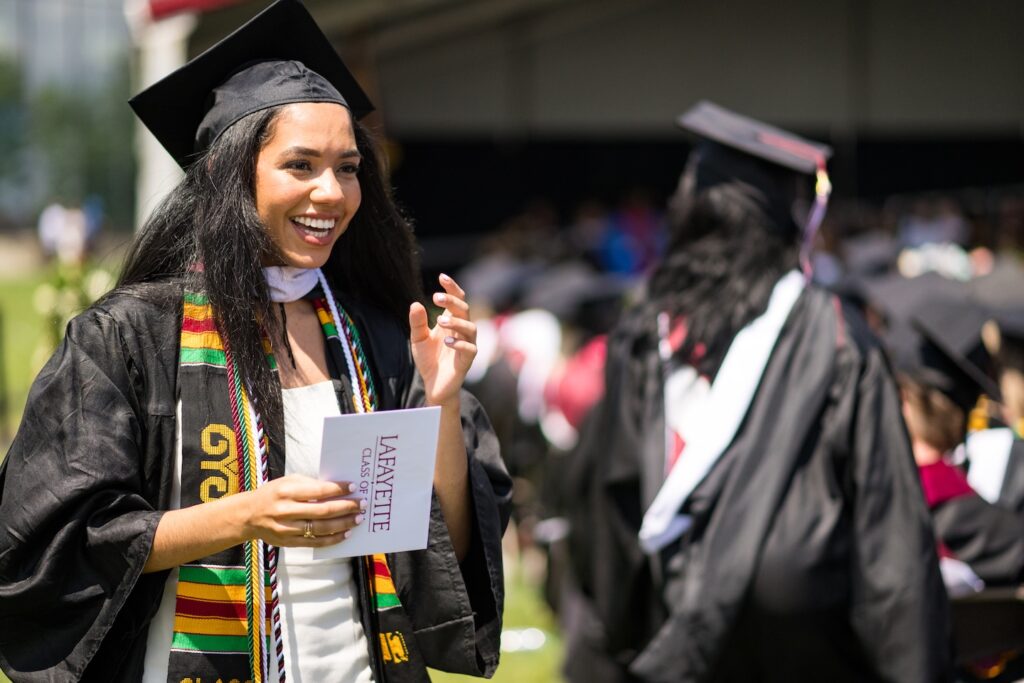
(316,226)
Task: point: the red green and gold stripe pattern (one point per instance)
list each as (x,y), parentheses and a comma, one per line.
(210,614)
(383,585)
(366,395)
(253,475)
(200,342)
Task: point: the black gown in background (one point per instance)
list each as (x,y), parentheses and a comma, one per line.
(811,557)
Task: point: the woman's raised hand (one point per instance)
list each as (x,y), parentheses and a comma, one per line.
(281,511)
(443,354)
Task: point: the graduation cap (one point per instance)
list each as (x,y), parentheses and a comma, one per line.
(577,294)
(752,137)
(1004,336)
(770,160)
(1003,287)
(940,346)
(870,254)
(497,279)
(278,57)
(897,298)
(1011,323)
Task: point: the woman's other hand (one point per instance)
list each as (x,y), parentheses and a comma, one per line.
(443,354)
(277,512)
(280,511)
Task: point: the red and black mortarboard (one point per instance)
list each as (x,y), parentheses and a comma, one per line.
(735,148)
(755,138)
(934,336)
(278,57)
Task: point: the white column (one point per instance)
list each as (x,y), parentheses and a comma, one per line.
(162,47)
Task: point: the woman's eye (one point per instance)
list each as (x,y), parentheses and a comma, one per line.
(298,165)
(348,169)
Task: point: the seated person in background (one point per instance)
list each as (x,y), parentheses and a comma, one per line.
(939,357)
(996,456)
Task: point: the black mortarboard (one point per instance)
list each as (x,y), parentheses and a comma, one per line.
(897,298)
(870,254)
(940,346)
(770,161)
(577,294)
(497,280)
(759,140)
(1010,322)
(1003,287)
(278,57)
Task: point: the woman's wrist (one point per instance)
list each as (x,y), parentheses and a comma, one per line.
(450,404)
(239,516)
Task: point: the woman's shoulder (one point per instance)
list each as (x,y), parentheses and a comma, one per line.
(852,331)
(152,298)
(142,316)
(860,355)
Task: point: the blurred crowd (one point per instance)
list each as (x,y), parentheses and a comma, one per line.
(938,278)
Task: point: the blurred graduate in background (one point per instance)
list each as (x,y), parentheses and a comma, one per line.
(747,502)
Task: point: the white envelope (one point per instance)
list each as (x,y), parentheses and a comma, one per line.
(390,457)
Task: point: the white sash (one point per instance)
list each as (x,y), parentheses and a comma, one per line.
(727,404)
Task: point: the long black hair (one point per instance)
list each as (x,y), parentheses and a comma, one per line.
(726,252)
(208,232)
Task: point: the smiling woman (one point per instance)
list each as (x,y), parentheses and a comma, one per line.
(161,499)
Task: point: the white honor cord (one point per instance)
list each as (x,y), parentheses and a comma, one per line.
(262,548)
(728,401)
(342,337)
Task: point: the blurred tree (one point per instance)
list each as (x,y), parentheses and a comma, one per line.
(12,127)
(83,141)
(11,114)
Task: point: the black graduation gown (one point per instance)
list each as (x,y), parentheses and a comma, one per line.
(1011,495)
(989,538)
(85,482)
(811,557)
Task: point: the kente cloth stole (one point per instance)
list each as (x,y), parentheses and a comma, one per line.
(227,623)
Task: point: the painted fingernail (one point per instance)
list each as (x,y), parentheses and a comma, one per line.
(363,505)
(443,319)
(359,519)
(347,534)
(445,278)
(450,341)
(440,298)
(352,488)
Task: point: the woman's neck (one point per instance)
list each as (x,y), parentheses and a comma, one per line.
(308,349)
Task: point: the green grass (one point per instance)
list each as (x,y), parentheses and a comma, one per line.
(21,336)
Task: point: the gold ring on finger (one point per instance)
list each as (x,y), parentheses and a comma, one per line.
(308,533)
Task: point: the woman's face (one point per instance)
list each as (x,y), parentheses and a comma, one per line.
(307,189)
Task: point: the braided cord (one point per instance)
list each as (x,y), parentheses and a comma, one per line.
(355,357)
(272,557)
(378,572)
(252,473)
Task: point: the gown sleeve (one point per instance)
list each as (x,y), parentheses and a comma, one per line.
(75,527)
(987,537)
(456,608)
(900,611)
